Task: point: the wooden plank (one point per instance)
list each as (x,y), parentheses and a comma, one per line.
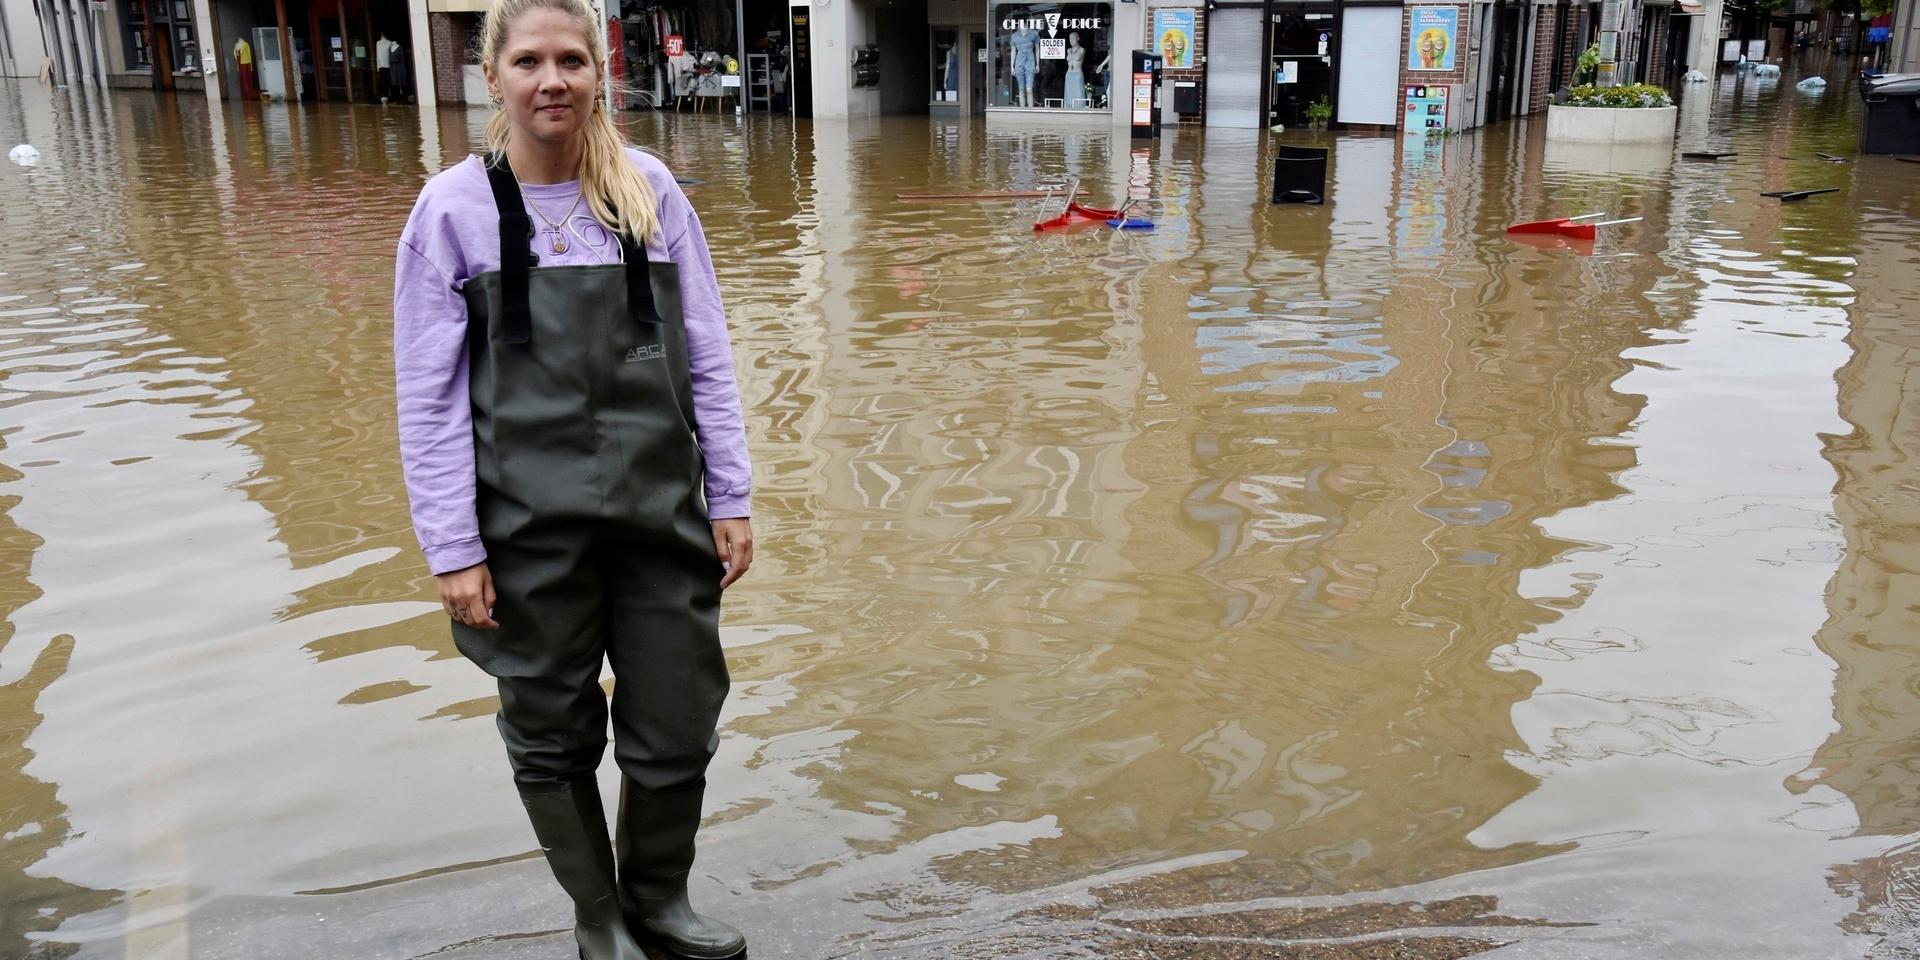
(286,45)
(1002,195)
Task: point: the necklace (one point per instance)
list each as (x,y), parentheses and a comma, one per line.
(556,234)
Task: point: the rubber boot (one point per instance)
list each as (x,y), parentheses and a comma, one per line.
(572,828)
(655,842)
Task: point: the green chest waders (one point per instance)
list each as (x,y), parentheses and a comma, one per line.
(589,497)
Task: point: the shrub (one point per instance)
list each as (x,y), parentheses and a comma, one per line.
(1633,95)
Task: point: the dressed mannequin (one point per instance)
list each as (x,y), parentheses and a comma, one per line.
(1101,72)
(1026,48)
(1076,92)
(383,62)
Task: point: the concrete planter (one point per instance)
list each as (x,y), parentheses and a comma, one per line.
(1611,124)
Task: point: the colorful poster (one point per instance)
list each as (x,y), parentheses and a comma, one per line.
(1174,32)
(1432,32)
(1426,111)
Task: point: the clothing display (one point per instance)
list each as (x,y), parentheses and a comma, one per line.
(1075,94)
(1025,47)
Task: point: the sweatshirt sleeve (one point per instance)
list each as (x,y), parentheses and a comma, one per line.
(436,421)
(716,396)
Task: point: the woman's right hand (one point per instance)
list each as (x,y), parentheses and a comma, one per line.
(467,596)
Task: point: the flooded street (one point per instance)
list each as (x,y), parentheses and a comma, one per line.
(1308,582)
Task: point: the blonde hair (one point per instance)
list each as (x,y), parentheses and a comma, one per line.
(619,195)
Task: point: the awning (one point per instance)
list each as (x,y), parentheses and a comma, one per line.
(1687,8)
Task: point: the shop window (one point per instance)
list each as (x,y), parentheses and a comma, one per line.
(945,79)
(1051,55)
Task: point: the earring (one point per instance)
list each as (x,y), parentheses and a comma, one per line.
(495,97)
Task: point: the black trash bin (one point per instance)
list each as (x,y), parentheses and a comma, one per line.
(1300,175)
(1892,124)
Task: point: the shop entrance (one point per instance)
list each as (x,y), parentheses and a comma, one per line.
(1300,69)
(357,51)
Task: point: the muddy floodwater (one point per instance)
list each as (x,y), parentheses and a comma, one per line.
(1309,582)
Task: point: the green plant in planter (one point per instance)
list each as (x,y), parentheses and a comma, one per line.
(1631,96)
(1319,113)
(1588,66)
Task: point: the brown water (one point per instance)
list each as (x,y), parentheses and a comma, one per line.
(1317,582)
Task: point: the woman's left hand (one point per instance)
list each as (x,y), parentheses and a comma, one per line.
(734,540)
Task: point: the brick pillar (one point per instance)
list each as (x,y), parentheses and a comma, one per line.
(1546,39)
(449,36)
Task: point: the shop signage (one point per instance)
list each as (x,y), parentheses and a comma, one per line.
(675,45)
(1173,34)
(1055,49)
(1426,111)
(1053,23)
(1433,31)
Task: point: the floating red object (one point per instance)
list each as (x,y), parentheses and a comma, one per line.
(1077,215)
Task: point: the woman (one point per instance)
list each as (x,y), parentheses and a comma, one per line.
(565,386)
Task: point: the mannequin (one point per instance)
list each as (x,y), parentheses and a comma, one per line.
(1075,95)
(1026,48)
(1101,72)
(383,61)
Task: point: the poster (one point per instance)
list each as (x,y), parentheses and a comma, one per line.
(675,45)
(1174,30)
(1426,111)
(1432,32)
(1053,49)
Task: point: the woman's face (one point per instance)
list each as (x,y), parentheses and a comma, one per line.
(545,76)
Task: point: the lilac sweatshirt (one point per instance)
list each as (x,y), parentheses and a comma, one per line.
(453,235)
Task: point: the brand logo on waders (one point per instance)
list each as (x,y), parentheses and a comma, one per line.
(652,351)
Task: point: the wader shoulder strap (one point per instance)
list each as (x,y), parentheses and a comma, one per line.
(516,321)
(639,281)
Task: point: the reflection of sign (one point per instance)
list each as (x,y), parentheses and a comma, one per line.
(1426,111)
(1053,49)
(1431,32)
(1173,30)
(676,45)
(1142,99)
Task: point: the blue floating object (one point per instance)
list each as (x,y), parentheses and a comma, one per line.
(1131,223)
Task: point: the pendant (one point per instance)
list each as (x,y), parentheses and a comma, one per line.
(559,242)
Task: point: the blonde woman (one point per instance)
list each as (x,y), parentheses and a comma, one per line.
(573,447)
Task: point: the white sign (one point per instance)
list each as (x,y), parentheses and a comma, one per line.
(1290,71)
(980,56)
(1053,49)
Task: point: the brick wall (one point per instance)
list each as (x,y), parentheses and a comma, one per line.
(1546,39)
(1457,77)
(448,36)
(1197,74)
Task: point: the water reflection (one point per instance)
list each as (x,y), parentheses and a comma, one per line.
(1340,575)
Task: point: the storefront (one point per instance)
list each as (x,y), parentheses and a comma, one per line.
(1050,57)
(703,55)
(356,51)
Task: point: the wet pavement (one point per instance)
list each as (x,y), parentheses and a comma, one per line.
(1308,582)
